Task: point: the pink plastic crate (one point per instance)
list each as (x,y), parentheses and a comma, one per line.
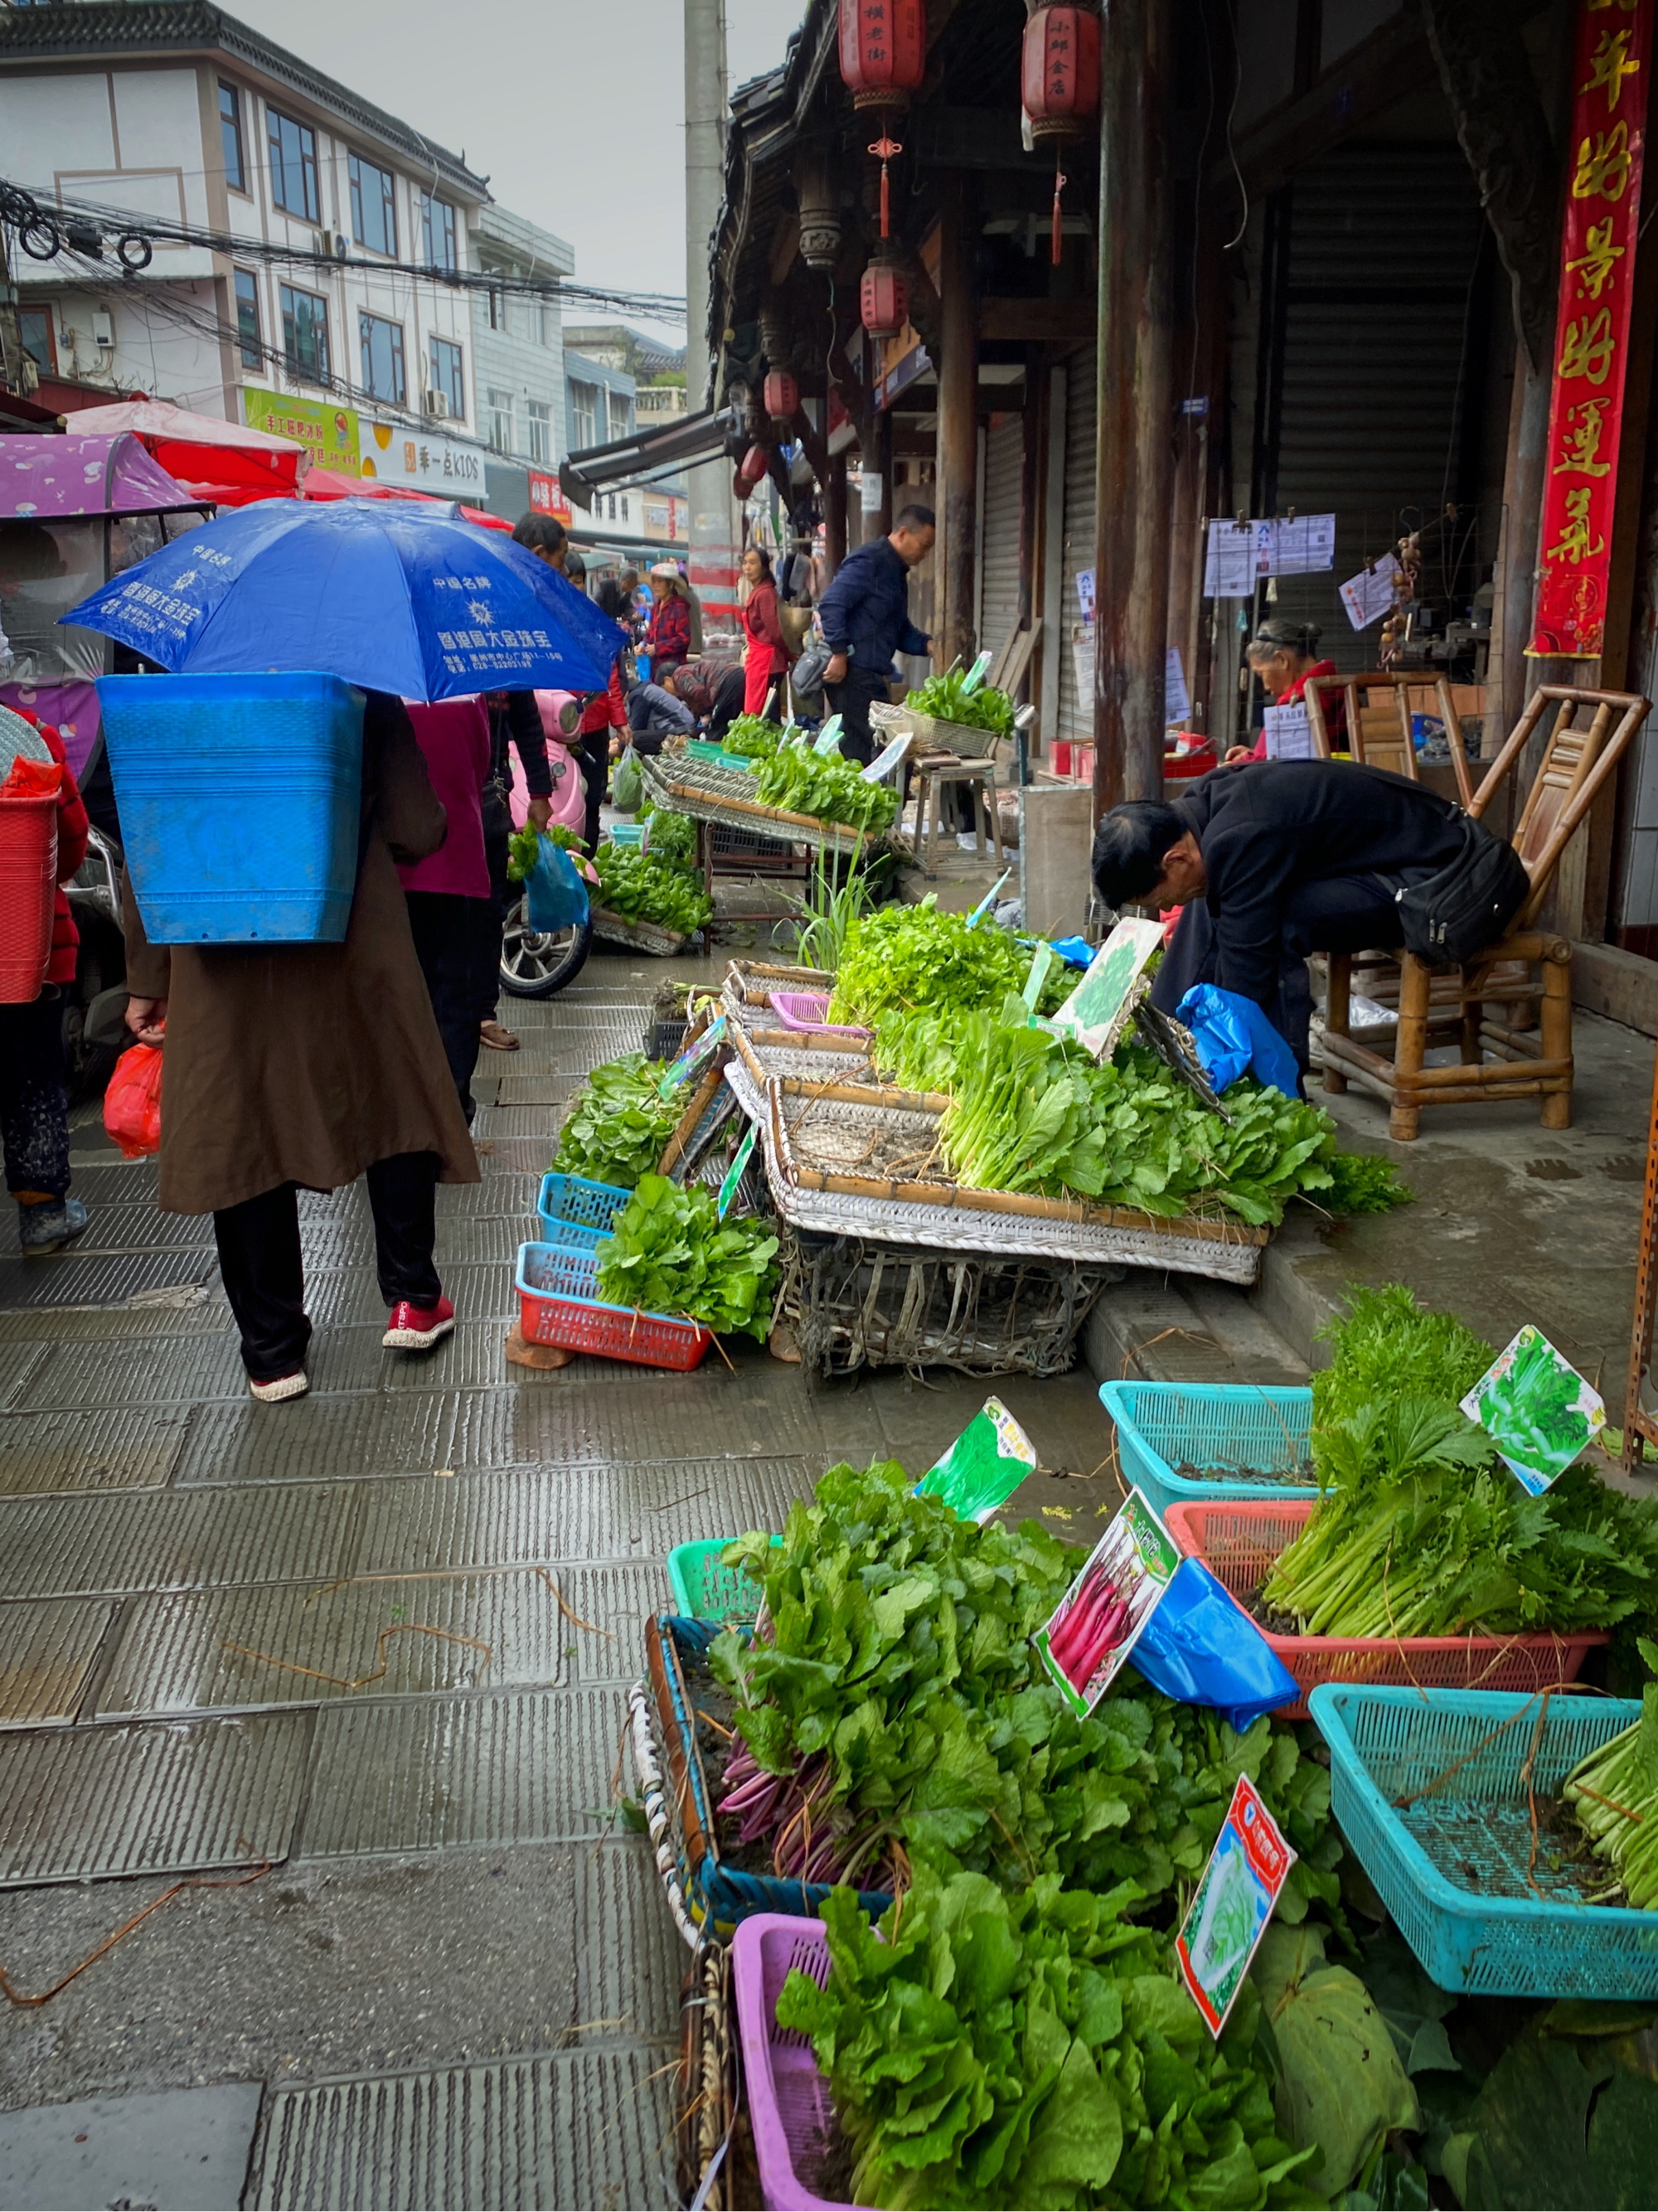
(1239,1545)
(805,1010)
(789,2108)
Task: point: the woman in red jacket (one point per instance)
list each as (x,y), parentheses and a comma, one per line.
(668,632)
(766,662)
(604,714)
(34,1103)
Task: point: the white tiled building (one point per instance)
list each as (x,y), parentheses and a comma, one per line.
(518,340)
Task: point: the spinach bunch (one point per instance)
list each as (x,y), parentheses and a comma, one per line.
(641,887)
(825,786)
(901,960)
(617,1123)
(752,736)
(668,1252)
(1033,2048)
(672,837)
(523,847)
(947,698)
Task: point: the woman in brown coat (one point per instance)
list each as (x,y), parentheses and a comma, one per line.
(298,1066)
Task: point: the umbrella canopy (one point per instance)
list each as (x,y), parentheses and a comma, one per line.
(392,595)
(333,484)
(226,463)
(47,477)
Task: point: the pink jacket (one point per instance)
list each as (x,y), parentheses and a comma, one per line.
(454,736)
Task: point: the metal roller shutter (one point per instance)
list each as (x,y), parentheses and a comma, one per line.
(1081,414)
(999,573)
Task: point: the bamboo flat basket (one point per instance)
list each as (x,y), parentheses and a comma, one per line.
(640,936)
(932,735)
(678,785)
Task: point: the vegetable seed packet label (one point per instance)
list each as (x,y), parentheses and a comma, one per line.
(1536,1409)
(985,1464)
(734,1172)
(1092,1632)
(1097,1010)
(886,760)
(1247,1868)
(693,1057)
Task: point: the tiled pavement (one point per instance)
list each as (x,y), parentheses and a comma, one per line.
(330,1635)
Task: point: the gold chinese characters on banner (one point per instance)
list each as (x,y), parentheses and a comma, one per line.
(1612,64)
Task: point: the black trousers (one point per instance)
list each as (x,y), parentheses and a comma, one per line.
(34,1105)
(264,1272)
(595,759)
(727,704)
(1342,914)
(458,943)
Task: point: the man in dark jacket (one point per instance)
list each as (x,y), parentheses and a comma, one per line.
(1269,861)
(865,617)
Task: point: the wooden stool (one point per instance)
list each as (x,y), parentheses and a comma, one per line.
(932,772)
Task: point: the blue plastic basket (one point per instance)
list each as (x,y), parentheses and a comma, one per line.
(716,1895)
(1450,1862)
(705,1588)
(573,1211)
(1251,1423)
(240,797)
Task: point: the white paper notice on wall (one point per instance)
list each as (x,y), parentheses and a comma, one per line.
(1289,732)
(1369,594)
(1082,655)
(1176,701)
(869,493)
(1230,568)
(1300,546)
(1086,592)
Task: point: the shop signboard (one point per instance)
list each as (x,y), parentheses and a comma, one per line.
(1612,62)
(329,434)
(424,460)
(547,497)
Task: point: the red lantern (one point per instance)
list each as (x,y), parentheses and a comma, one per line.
(883,301)
(741,486)
(1060,83)
(757,465)
(782,394)
(883,51)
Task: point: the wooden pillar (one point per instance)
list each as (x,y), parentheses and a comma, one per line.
(958,426)
(1135,468)
(883,456)
(1514,597)
(834,514)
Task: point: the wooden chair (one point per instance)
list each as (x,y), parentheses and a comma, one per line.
(1453,1005)
(1379,726)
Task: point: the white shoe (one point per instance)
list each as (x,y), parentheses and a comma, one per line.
(285,1386)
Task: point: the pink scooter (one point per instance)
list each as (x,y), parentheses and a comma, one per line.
(534,966)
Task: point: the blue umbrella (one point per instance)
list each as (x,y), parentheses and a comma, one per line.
(389,596)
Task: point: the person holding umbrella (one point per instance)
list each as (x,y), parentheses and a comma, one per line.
(301,1066)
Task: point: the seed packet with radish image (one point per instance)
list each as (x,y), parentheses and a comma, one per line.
(1092,1632)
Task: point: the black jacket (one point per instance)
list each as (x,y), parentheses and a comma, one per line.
(866,610)
(1266,827)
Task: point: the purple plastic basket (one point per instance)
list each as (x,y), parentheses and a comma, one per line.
(789,2108)
(805,1010)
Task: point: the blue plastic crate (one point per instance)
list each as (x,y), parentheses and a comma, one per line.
(1450,1862)
(704,1589)
(1252,1423)
(241,799)
(573,1211)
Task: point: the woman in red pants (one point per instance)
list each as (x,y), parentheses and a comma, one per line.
(766,661)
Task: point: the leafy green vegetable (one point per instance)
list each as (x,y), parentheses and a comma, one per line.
(825,786)
(641,887)
(1031,2048)
(618,1124)
(947,698)
(1388,1346)
(910,959)
(1364,1182)
(1614,1793)
(668,1252)
(672,837)
(753,737)
(827,915)
(524,846)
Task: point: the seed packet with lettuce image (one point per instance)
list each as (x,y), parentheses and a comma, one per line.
(1536,1409)
(1247,1868)
(985,1464)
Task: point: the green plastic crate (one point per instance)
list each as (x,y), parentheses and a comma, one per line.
(703,1589)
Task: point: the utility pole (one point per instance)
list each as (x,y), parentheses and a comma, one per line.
(715,548)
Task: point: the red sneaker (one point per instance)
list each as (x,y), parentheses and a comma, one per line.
(416,1328)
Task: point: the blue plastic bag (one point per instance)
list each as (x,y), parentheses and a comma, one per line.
(1233,1037)
(1201,1647)
(1075,951)
(556,895)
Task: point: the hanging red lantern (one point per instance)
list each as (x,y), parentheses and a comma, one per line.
(1060,84)
(883,301)
(782,394)
(756,465)
(741,486)
(884,60)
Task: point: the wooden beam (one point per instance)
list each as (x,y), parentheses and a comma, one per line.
(1380,72)
(1037,322)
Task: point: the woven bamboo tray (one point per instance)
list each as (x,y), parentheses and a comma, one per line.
(639,936)
(932,735)
(766,1052)
(670,785)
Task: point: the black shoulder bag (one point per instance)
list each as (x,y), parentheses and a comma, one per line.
(1461,908)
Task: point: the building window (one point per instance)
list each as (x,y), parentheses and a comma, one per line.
(34,330)
(583,416)
(447,376)
(620,411)
(541,432)
(304,334)
(374,209)
(382,359)
(247,319)
(497,310)
(548,318)
(437,224)
(293,165)
(501,420)
(230,134)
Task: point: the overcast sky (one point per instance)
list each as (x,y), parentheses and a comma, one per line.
(574,109)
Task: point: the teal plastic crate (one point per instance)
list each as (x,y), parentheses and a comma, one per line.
(1251,1423)
(1450,1862)
(703,1589)
(573,1211)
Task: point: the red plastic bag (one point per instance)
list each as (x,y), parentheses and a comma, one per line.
(132,1103)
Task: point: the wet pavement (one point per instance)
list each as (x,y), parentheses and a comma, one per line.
(378,1640)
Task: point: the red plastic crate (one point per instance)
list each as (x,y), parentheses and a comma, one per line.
(1240,1543)
(556,1305)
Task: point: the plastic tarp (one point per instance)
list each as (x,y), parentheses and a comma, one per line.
(46,478)
(227,463)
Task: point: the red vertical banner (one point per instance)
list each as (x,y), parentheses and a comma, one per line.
(1611,63)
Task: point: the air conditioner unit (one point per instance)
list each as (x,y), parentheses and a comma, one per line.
(339,245)
(437,406)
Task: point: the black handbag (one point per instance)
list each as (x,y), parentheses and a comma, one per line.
(1453,914)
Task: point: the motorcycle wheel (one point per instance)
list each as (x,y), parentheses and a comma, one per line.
(534,965)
